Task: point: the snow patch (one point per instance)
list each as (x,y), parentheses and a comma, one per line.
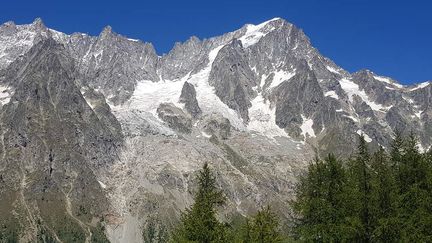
(333,70)
(352,89)
(206,135)
(388,81)
(366,137)
(102,184)
(279,77)
(331,94)
(148,95)
(306,127)
(254,33)
(5,94)
(420,86)
(263,118)
(352,118)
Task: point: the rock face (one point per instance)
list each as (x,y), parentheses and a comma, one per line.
(101,131)
(53,142)
(188,97)
(233,79)
(174,117)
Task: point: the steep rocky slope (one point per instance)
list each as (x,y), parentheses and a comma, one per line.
(100,130)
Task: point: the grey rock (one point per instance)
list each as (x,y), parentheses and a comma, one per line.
(233,78)
(188,97)
(217,125)
(175,117)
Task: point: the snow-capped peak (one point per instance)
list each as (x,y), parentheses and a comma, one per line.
(387,80)
(420,86)
(255,32)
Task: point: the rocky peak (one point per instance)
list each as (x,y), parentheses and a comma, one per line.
(38,24)
(9,24)
(8,28)
(107,30)
(363,75)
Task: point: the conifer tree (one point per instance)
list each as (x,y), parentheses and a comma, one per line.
(263,228)
(199,223)
(415,194)
(323,203)
(360,175)
(385,199)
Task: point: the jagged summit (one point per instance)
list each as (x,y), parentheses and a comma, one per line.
(107,30)
(38,24)
(37,21)
(9,23)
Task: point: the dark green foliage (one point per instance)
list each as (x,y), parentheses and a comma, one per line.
(360,175)
(324,203)
(415,193)
(69,231)
(199,223)
(154,231)
(372,198)
(43,235)
(379,197)
(98,234)
(8,235)
(385,199)
(262,228)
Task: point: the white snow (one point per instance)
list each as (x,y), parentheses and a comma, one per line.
(420,86)
(423,149)
(262,118)
(5,94)
(409,100)
(352,89)
(134,40)
(388,81)
(366,137)
(102,184)
(59,36)
(208,101)
(279,77)
(206,135)
(149,95)
(332,94)
(352,118)
(333,70)
(306,127)
(254,33)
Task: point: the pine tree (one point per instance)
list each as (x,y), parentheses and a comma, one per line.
(385,199)
(199,223)
(415,194)
(396,149)
(263,228)
(362,190)
(324,204)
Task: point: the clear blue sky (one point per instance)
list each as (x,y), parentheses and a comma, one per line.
(392,38)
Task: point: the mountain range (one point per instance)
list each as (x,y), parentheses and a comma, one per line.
(102,131)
